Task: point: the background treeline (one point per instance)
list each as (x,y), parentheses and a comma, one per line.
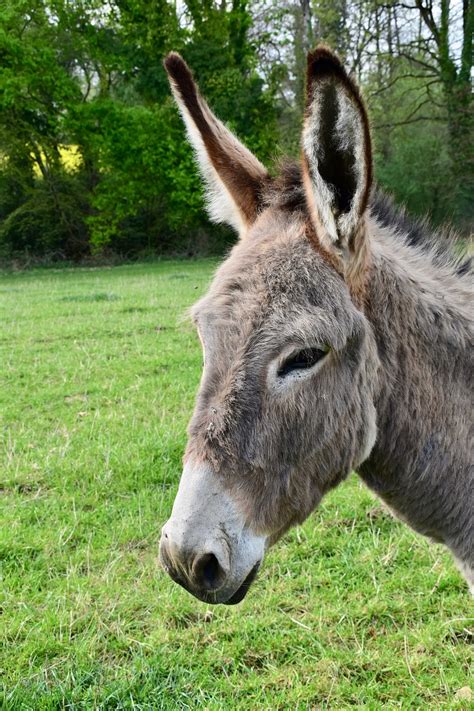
(92,151)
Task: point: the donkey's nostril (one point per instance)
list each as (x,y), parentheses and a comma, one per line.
(207,571)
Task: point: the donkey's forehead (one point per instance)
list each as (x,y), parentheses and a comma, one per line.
(276,264)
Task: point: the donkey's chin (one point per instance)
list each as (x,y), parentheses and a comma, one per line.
(241,592)
(219,597)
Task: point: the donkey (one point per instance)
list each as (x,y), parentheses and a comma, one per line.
(336,337)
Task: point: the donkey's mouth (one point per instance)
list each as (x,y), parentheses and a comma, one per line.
(205,595)
(239,595)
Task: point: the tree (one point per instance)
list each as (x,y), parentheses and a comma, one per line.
(87,77)
(36,91)
(455,77)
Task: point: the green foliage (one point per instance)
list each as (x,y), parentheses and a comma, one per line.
(411,162)
(146,167)
(50,219)
(89,75)
(351,610)
(415,171)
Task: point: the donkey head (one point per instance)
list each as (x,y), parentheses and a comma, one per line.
(285,407)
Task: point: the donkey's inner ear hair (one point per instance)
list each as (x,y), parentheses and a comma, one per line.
(337,159)
(233,175)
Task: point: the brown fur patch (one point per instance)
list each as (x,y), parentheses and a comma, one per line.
(323,64)
(240,176)
(329,257)
(324,67)
(358,270)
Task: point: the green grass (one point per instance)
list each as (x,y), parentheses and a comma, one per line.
(98,376)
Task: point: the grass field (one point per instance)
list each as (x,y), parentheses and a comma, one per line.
(98,375)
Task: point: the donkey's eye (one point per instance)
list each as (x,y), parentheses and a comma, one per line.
(301,361)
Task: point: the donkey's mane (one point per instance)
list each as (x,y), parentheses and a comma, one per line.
(286,192)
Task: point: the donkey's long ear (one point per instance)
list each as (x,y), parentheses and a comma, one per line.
(337,160)
(233,175)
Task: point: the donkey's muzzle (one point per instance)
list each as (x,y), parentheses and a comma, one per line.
(200,574)
(203,576)
(206,545)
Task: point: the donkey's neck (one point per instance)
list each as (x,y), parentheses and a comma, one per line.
(419,464)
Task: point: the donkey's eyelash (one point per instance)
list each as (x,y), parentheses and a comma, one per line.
(302,360)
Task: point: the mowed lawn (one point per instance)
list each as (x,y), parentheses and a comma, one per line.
(98,376)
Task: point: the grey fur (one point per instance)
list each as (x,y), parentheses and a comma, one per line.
(405,364)
(392,400)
